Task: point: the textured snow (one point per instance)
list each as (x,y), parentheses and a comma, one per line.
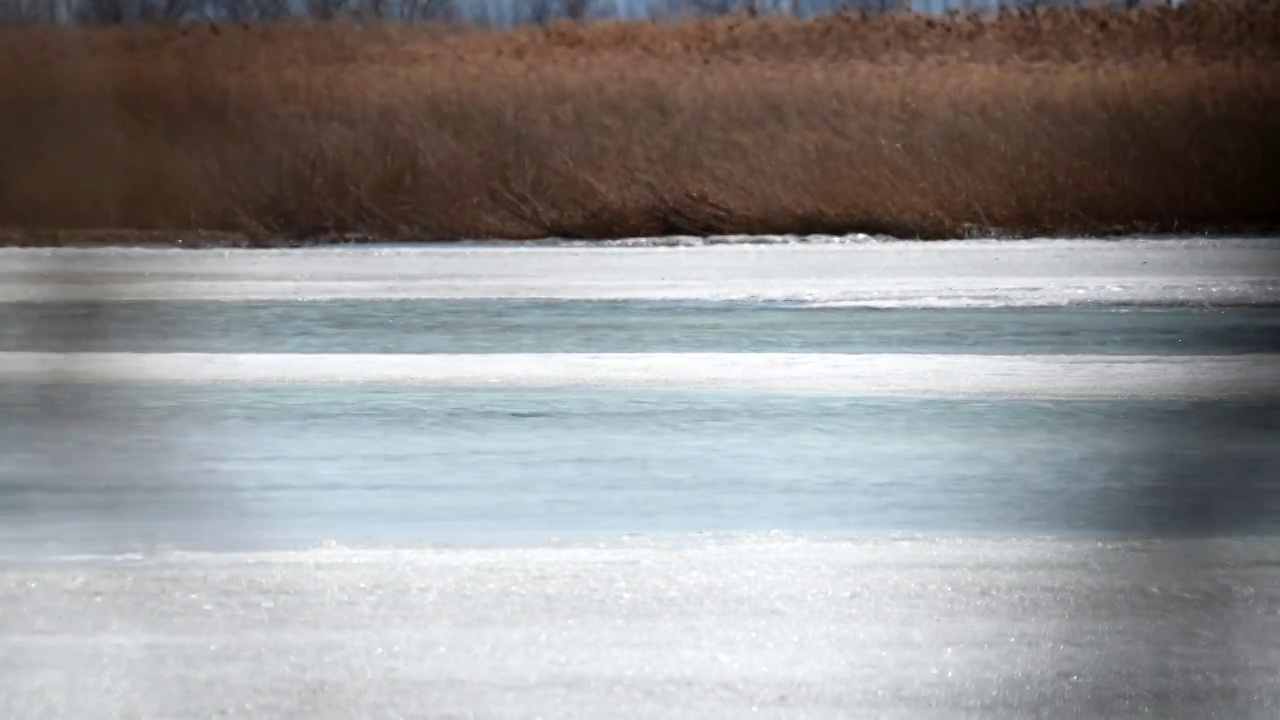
(747,626)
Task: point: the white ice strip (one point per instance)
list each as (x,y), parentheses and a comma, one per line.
(926,294)
(1046,376)
(891,274)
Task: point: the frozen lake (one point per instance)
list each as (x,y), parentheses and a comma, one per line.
(979,479)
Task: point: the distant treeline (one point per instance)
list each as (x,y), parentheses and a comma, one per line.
(501,13)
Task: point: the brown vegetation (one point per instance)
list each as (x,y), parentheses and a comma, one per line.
(1091,121)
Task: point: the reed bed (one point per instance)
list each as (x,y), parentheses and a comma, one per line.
(1055,122)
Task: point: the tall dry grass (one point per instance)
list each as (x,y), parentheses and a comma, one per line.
(1056,122)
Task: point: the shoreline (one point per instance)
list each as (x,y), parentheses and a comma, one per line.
(203,240)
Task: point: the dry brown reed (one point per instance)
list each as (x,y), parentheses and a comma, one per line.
(1095,121)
